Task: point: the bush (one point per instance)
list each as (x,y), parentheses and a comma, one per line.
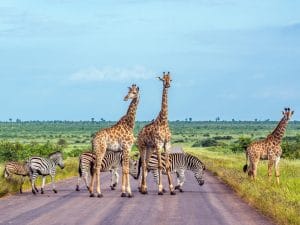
(241,144)
(15,151)
(208,142)
(75,152)
(62,142)
(291,149)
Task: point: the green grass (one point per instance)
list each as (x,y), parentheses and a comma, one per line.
(281,202)
(12,186)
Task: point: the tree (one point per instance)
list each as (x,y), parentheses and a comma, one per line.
(62,142)
(93,120)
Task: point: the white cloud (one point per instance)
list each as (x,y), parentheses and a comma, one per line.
(112,74)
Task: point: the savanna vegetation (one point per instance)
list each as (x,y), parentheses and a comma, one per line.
(220,144)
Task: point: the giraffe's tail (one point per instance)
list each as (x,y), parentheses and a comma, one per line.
(246,165)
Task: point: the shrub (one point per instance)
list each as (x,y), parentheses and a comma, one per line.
(241,144)
(208,142)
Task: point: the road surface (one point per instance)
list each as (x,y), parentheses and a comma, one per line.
(211,204)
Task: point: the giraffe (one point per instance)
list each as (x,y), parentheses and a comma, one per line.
(268,148)
(154,137)
(118,137)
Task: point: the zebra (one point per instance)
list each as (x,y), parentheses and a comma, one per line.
(179,163)
(19,169)
(45,166)
(111,162)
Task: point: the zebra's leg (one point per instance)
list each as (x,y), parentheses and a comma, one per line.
(85,176)
(180,180)
(22,182)
(43,184)
(53,183)
(32,179)
(78,181)
(114,178)
(167,149)
(160,186)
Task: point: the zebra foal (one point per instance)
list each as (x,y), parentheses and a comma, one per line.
(112,161)
(44,167)
(19,169)
(179,163)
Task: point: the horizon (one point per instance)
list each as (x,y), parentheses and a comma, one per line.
(67,60)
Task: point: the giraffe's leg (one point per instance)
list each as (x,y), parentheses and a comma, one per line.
(254,169)
(92,181)
(160,186)
(277,174)
(100,149)
(270,166)
(167,151)
(125,173)
(147,152)
(143,187)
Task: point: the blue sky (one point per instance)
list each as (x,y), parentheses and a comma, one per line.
(74,59)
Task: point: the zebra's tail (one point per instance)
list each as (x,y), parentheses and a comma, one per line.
(246,165)
(92,168)
(139,168)
(79,168)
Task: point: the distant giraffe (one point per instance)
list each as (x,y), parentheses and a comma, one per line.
(154,137)
(119,137)
(268,148)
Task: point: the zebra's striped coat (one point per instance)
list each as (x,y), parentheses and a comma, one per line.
(179,163)
(112,161)
(44,167)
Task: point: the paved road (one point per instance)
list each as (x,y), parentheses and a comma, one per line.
(211,204)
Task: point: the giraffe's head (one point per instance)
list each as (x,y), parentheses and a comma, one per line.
(133,92)
(287,113)
(166,79)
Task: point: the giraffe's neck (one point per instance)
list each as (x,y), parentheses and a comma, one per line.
(129,118)
(279,131)
(163,114)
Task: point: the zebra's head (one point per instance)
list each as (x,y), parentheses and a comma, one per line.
(133,168)
(197,166)
(199,175)
(57,159)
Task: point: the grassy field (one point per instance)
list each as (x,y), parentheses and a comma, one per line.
(281,202)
